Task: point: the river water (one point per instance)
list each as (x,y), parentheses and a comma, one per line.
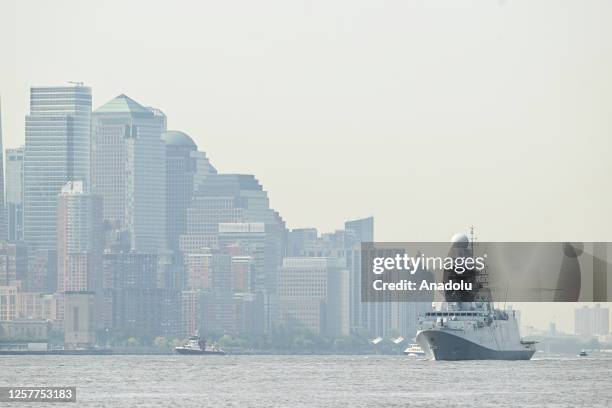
(314,381)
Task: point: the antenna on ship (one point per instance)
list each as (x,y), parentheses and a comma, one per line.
(472,238)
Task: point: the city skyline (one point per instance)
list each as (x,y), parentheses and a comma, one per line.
(558,313)
(300,87)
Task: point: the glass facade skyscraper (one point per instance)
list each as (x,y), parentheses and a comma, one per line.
(186,168)
(129,171)
(57,150)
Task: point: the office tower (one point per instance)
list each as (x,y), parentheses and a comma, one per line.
(79,320)
(129,171)
(13,263)
(363,229)
(186,167)
(57,150)
(80,239)
(592,321)
(313,293)
(3,229)
(363,316)
(14,193)
(132,299)
(239,200)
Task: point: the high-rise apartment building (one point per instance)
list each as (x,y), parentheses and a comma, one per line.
(14,193)
(57,150)
(129,171)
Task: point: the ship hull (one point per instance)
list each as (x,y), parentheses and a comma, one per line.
(441,345)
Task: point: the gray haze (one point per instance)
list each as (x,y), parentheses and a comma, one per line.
(429,115)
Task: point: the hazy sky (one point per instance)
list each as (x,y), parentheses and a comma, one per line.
(430,115)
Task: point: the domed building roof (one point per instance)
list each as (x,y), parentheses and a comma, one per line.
(178,138)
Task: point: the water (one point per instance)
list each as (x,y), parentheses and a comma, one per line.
(314,381)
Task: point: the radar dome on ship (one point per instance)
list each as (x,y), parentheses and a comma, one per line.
(460,239)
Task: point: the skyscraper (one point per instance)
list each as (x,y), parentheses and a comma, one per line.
(80,239)
(14,193)
(57,150)
(234,209)
(129,171)
(363,315)
(186,167)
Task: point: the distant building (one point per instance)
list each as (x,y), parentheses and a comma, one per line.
(53,310)
(30,305)
(191,312)
(80,239)
(13,263)
(132,299)
(364,316)
(185,168)
(301,241)
(592,321)
(346,245)
(313,293)
(8,302)
(14,193)
(129,171)
(233,210)
(23,330)
(197,270)
(42,271)
(57,150)
(79,319)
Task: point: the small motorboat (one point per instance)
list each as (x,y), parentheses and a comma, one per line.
(583,353)
(414,350)
(196,345)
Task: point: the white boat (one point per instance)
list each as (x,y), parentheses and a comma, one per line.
(414,350)
(197,346)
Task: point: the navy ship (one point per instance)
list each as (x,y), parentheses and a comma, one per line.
(467,326)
